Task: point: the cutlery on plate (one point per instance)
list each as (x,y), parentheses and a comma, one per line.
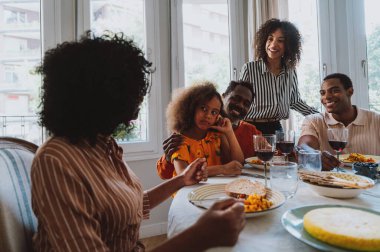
(253,175)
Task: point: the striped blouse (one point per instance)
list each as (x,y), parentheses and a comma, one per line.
(86,198)
(274,95)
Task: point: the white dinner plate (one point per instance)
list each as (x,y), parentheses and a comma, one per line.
(349,164)
(292,221)
(207,195)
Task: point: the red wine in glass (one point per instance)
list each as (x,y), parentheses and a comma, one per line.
(264,147)
(265,155)
(337,138)
(285,147)
(285,142)
(338,145)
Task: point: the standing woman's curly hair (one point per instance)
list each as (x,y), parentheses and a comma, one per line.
(91,86)
(293,49)
(181,110)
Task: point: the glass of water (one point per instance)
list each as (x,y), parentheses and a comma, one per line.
(310,160)
(284,177)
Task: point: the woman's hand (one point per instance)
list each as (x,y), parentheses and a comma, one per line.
(223,125)
(221,224)
(232,168)
(195,172)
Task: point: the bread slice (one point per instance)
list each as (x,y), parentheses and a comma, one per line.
(242,187)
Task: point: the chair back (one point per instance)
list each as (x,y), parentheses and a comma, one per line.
(17,220)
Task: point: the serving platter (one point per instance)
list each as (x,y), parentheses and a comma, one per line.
(205,196)
(292,221)
(335,192)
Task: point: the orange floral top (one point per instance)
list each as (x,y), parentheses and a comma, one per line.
(208,147)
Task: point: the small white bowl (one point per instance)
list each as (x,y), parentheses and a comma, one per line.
(334,192)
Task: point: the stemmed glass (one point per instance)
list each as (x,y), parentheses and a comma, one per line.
(265,146)
(285,142)
(337,139)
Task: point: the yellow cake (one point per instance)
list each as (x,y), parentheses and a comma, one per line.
(344,227)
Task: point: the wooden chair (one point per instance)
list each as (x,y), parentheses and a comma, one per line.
(17,220)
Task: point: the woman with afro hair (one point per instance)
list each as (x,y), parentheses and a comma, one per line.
(85,197)
(273,76)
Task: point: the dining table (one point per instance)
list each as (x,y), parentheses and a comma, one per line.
(264,232)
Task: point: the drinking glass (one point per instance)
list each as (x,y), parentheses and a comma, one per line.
(284,177)
(265,146)
(309,160)
(285,142)
(337,139)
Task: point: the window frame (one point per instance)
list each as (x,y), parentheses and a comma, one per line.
(356,39)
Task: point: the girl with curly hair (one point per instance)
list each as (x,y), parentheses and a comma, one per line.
(273,75)
(196,113)
(85,197)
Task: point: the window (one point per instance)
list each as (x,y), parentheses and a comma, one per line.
(138,19)
(148,23)
(20,52)
(10,75)
(357,41)
(126,17)
(372,32)
(303,13)
(15,17)
(205,57)
(206,43)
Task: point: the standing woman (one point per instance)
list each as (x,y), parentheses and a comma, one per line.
(274,78)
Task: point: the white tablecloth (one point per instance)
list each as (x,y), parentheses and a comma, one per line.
(262,233)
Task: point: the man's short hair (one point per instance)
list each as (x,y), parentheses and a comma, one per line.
(344,79)
(233,84)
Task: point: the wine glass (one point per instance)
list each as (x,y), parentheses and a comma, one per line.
(337,139)
(265,146)
(285,142)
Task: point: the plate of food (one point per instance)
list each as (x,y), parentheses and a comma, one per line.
(258,200)
(336,184)
(334,227)
(255,162)
(349,159)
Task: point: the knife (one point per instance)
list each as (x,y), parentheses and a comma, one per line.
(254,175)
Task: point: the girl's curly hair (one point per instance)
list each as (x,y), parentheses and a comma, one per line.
(293,48)
(181,110)
(91,86)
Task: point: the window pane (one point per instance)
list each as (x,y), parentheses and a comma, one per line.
(20,53)
(372,25)
(206,41)
(125,16)
(303,13)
